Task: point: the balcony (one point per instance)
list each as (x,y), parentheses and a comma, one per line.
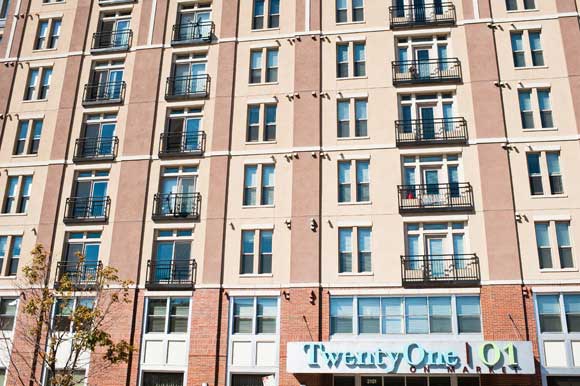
(440,271)
(82,276)
(411,72)
(435,198)
(171,275)
(87,209)
(181,144)
(96,149)
(111,41)
(187,87)
(175,206)
(193,33)
(105,93)
(115,2)
(444,131)
(411,16)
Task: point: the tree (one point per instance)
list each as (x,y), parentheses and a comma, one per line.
(58,329)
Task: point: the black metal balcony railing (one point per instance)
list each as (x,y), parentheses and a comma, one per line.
(191,33)
(431,131)
(176,274)
(410,16)
(177,144)
(176,205)
(79,274)
(87,209)
(187,87)
(112,41)
(95,148)
(440,270)
(436,197)
(426,71)
(104,93)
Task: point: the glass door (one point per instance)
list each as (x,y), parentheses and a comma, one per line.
(431,181)
(98,198)
(192,139)
(427,114)
(121,33)
(185,189)
(434,248)
(422,58)
(115,83)
(419,10)
(198,84)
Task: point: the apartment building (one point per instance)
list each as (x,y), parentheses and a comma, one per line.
(305,192)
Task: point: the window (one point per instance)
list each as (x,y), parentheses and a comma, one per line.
(423,48)
(78,376)
(550,235)
(10,250)
(441,246)
(255,316)
(264,71)
(515,5)
(358,171)
(172,259)
(167,315)
(85,246)
(98,136)
(48,34)
(177,191)
(106,81)
(162,379)
(549,161)
(17,194)
(263,8)
(349,11)
(263,263)
(468,314)
(431,176)
(405,315)
(64,310)
(357,108)
(38,83)
(251,379)
(8,308)
(428,116)
(549,313)
(114,30)
(354,241)
(355,53)
(530,113)
(520,41)
(4,4)
(184,132)
(189,73)
(28,137)
(89,194)
(261,123)
(259,185)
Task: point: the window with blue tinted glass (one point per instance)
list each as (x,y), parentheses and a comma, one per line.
(572,309)
(343,119)
(549,313)
(359,59)
(345,250)
(341,316)
(534,173)
(440,315)
(546,117)
(518,52)
(526,112)
(564,244)
(536,48)
(468,314)
(258,14)
(342,61)
(554,172)
(417,316)
(393,315)
(341,11)
(543,245)
(369,315)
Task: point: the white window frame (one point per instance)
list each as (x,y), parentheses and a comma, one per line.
(259,184)
(356,269)
(554,252)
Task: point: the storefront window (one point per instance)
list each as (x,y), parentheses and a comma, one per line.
(434,380)
(409,315)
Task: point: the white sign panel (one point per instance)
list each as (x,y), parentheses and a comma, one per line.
(426,357)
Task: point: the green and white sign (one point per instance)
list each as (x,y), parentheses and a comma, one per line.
(414,357)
